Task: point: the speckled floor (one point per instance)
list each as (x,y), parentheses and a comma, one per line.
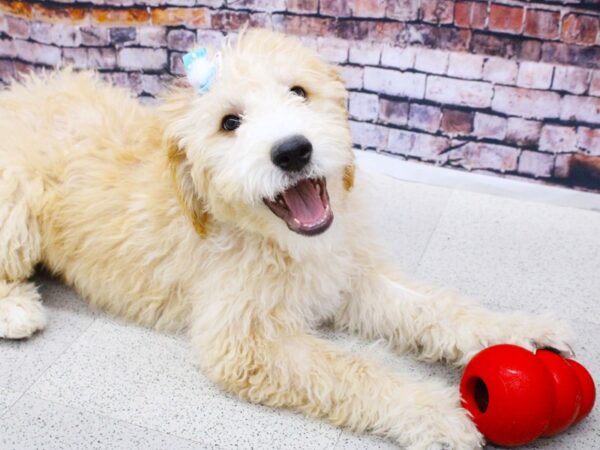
(92,381)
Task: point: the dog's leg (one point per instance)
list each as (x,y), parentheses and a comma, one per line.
(21,312)
(438,324)
(263,363)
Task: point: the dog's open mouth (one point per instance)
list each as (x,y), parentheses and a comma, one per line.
(304,207)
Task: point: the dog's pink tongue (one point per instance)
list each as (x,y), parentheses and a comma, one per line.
(305,204)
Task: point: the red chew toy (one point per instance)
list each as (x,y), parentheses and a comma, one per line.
(516,396)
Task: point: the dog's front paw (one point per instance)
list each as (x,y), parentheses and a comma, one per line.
(441,423)
(537,332)
(21,313)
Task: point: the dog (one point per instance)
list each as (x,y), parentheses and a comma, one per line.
(235,211)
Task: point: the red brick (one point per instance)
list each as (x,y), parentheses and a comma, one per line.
(523,132)
(580,29)
(303,26)
(542,24)
(368,8)
(63,14)
(506,18)
(193,17)
(424,117)
(456,121)
(392,111)
(16,7)
(438,11)
(462,14)
(111,17)
(303,6)
(479,15)
(537,164)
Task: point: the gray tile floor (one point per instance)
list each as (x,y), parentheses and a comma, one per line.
(92,381)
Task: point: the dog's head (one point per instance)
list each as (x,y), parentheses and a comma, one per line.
(267,146)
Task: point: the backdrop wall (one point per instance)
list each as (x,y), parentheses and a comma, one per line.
(510,88)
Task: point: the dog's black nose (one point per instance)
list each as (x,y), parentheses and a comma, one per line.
(292,154)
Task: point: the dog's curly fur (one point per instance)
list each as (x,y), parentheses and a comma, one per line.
(157,215)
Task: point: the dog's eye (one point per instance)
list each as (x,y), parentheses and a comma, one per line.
(299,91)
(230,122)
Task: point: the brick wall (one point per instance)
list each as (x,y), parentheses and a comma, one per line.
(506,87)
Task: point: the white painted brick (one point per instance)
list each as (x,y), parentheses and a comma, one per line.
(478,155)
(431,61)
(142,58)
(259,5)
(401,141)
(352,76)
(489,126)
(557,138)
(500,70)
(535,75)
(459,92)
(400,57)
(430,148)
(571,79)
(210,38)
(595,83)
(368,135)
(152,36)
(102,58)
(76,58)
(536,164)
(526,103)
(37,53)
(332,49)
(466,65)
(7,48)
(403,84)
(586,109)
(363,106)
(365,53)
(589,139)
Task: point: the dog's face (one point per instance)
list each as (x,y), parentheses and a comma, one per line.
(268,145)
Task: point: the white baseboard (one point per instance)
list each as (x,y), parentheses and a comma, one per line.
(457,179)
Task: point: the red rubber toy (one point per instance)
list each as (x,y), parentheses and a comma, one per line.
(516,396)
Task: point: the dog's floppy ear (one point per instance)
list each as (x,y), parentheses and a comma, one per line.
(192,206)
(348,177)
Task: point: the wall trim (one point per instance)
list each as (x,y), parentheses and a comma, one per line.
(417,172)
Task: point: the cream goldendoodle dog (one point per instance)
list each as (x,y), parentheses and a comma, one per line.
(233,213)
